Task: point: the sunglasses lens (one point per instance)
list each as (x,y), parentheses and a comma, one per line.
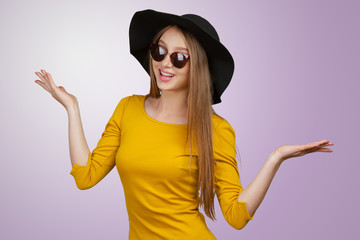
(178,60)
(158,53)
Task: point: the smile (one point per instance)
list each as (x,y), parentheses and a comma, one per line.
(165,76)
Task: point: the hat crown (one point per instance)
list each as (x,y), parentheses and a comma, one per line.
(203,24)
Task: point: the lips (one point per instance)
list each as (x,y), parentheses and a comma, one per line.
(165,75)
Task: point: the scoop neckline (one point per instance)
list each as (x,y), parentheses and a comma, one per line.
(156,121)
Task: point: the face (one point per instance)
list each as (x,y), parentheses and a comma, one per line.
(168,77)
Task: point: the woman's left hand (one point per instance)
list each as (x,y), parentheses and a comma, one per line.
(289,151)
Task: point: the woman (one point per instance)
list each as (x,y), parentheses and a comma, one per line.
(172,151)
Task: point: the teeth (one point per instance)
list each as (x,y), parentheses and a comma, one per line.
(166,74)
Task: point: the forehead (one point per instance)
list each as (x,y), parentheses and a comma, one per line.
(173,38)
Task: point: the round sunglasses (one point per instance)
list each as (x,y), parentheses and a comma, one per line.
(158,53)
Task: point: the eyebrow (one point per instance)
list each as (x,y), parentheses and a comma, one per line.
(180,48)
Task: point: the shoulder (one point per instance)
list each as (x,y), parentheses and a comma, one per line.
(134,99)
(224,139)
(128,102)
(223,134)
(221,126)
(126,106)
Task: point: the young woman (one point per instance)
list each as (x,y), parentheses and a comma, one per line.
(172,151)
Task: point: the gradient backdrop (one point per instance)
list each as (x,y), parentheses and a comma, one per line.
(296,81)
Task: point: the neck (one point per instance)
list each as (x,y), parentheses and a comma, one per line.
(173,103)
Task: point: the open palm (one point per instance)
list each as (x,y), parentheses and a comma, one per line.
(59,93)
(289,151)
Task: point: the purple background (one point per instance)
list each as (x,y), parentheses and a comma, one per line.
(296,81)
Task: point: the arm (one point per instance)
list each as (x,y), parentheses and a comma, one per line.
(102,159)
(255,192)
(87,168)
(238,205)
(79,149)
(227,178)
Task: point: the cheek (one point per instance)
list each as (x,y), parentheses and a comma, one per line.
(153,63)
(186,72)
(155,67)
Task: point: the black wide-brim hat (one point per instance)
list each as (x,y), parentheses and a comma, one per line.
(146,24)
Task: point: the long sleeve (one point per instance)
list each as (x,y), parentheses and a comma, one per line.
(102,159)
(227,178)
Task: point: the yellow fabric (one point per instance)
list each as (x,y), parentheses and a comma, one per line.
(153,163)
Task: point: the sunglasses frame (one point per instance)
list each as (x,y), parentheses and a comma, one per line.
(173,59)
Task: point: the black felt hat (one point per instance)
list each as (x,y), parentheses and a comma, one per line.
(146,24)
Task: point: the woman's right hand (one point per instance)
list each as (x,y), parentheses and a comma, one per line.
(59,93)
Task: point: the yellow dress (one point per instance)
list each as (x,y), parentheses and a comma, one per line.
(154,166)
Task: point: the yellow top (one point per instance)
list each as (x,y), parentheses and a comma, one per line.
(153,162)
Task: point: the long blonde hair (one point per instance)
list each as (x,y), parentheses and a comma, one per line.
(199,117)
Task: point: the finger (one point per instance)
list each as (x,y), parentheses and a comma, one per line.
(322,142)
(328,143)
(317,144)
(313,148)
(325,150)
(48,80)
(321,146)
(45,81)
(46,77)
(51,81)
(310,146)
(40,76)
(322,150)
(43,72)
(42,85)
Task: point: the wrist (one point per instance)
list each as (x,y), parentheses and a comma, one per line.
(274,159)
(73,108)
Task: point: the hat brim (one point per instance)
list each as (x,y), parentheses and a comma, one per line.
(146,24)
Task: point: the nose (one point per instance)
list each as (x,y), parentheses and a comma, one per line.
(167,61)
